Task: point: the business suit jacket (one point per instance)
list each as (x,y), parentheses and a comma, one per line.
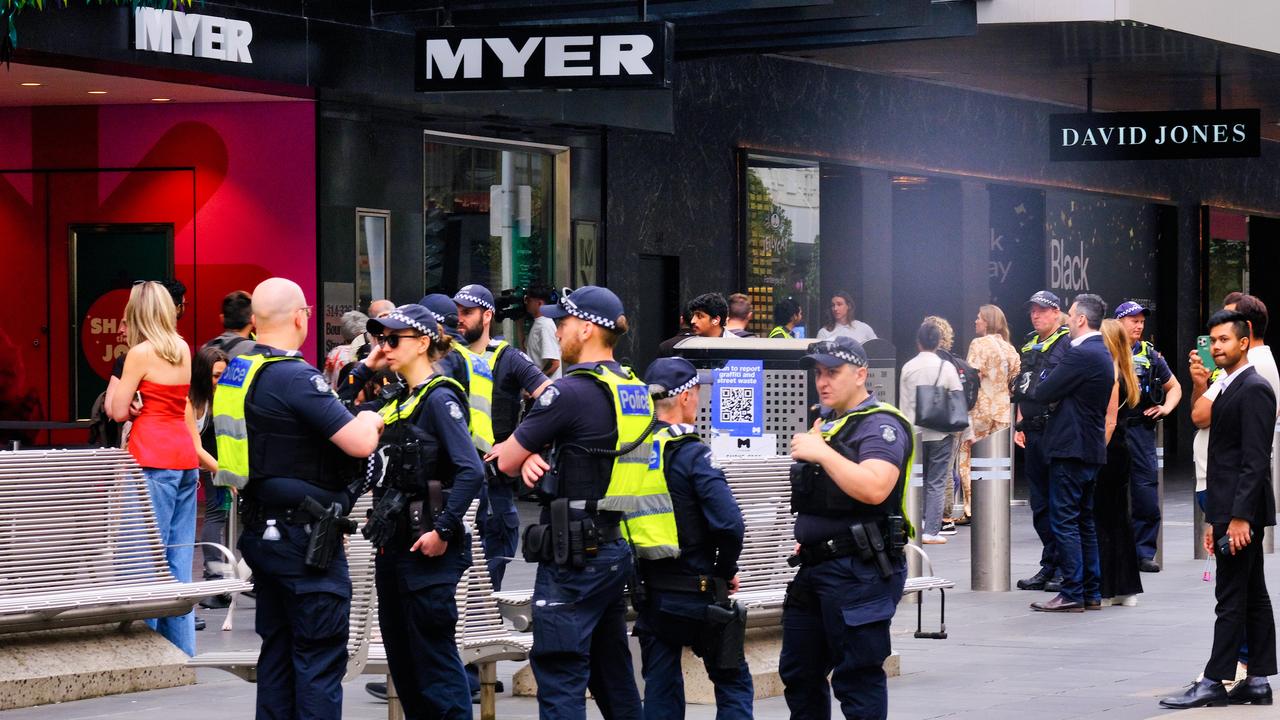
(1239,467)
(1081,385)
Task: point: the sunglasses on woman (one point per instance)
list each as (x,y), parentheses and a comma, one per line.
(393,341)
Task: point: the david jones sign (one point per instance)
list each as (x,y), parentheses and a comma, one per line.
(560,56)
(1156,135)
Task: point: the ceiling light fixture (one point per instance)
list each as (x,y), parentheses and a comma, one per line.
(97,92)
(161,99)
(30,84)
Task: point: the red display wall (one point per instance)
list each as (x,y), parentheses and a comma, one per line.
(235,181)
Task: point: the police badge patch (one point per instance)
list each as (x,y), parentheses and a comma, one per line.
(455,412)
(888,433)
(320,384)
(548,396)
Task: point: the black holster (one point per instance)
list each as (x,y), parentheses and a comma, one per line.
(381,525)
(327,527)
(565,542)
(723,643)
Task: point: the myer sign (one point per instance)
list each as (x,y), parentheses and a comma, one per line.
(202,36)
(1155,135)
(557,56)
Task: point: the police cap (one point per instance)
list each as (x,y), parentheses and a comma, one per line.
(407,317)
(473,296)
(835,351)
(591,303)
(1131,307)
(1045,299)
(668,377)
(445,312)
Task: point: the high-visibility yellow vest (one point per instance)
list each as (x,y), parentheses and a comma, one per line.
(398,410)
(633,413)
(229,425)
(480,392)
(649,520)
(780,332)
(831,429)
(1034,343)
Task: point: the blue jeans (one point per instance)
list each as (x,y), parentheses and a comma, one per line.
(937,473)
(173,498)
(1071,507)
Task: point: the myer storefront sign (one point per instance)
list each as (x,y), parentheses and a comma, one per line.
(558,56)
(1155,135)
(202,36)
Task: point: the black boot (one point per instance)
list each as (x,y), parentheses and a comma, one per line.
(1054,584)
(1205,693)
(377,689)
(1035,582)
(1251,690)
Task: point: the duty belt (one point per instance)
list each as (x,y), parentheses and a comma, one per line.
(567,542)
(688,583)
(867,541)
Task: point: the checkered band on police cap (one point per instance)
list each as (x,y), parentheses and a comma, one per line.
(399,315)
(467,296)
(572,308)
(659,391)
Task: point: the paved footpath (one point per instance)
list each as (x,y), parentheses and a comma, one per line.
(1001,661)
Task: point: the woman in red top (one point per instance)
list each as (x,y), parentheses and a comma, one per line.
(153,393)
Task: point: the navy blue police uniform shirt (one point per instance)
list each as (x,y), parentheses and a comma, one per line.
(1160,371)
(877,437)
(693,481)
(1031,408)
(574,409)
(293,396)
(446,419)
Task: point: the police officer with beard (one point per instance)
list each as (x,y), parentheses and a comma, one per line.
(847,488)
(593,424)
(1042,350)
(284,439)
(687,537)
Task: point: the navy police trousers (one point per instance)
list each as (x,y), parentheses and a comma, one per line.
(580,638)
(302,617)
(1144,487)
(836,620)
(669,622)
(499,528)
(1036,472)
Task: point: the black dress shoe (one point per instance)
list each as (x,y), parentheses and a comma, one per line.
(1035,582)
(1148,565)
(1251,690)
(1054,585)
(200,624)
(1204,693)
(1092,604)
(216,602)
(1058,604)
(377,689)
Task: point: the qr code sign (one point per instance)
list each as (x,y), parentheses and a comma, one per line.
(737,404)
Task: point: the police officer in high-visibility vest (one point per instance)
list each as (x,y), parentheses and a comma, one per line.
(424,476)
(1042,349)
(287,442)
(592,424)
(687,536)
(496,374)
(847,488)
(1160,394)
(786,315)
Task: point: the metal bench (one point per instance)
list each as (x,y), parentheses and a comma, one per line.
(79,544)
(482,637)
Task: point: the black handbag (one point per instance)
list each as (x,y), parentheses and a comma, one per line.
(940,409)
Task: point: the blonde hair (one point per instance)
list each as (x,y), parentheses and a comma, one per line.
(947,336)
(151,316)
(995,320)
(1117,340)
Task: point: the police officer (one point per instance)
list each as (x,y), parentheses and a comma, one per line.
(593,423)
(424,476)
(847,489)
(787,314)
(284,439)
(1042,349)
(687,553)
(496,373)
(1160,394)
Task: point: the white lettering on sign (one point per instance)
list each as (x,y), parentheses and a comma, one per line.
(1067,271)
(565,56)
(202,36)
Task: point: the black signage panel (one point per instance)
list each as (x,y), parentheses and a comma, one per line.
(558,56)
(1156,135)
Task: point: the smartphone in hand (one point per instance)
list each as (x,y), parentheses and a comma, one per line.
(1205,353)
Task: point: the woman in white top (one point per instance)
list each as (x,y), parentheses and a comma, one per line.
(840,321)
(937,448)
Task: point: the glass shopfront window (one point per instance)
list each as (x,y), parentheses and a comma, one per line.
(782,239)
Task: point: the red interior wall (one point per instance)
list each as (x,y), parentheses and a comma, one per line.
(236,181)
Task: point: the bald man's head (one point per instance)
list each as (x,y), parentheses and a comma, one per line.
(275,301)
(379,308)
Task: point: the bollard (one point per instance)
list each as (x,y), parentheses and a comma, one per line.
(914,502)
(1159,558)
(1269,537)
(991,468)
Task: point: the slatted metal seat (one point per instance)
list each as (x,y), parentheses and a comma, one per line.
(244,663)
(481,636)
(79,544)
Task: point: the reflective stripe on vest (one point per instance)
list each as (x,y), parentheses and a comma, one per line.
(405,409)
(1033,343)
(833,428)
(649,520)
(633,413)
(229,425)
(480,393)
(780,332)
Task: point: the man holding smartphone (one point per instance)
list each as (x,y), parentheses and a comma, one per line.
(1239,505)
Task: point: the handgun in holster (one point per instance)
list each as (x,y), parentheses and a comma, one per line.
(383,516)
(327,528)
(724,640)
(870,547)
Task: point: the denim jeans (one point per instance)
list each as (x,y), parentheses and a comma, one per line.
(937,473)
(173,498)
(1071,508)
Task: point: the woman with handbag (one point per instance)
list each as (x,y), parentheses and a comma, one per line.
(931,397)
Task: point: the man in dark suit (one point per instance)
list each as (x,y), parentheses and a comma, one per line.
(1075,442)
(1239,504)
